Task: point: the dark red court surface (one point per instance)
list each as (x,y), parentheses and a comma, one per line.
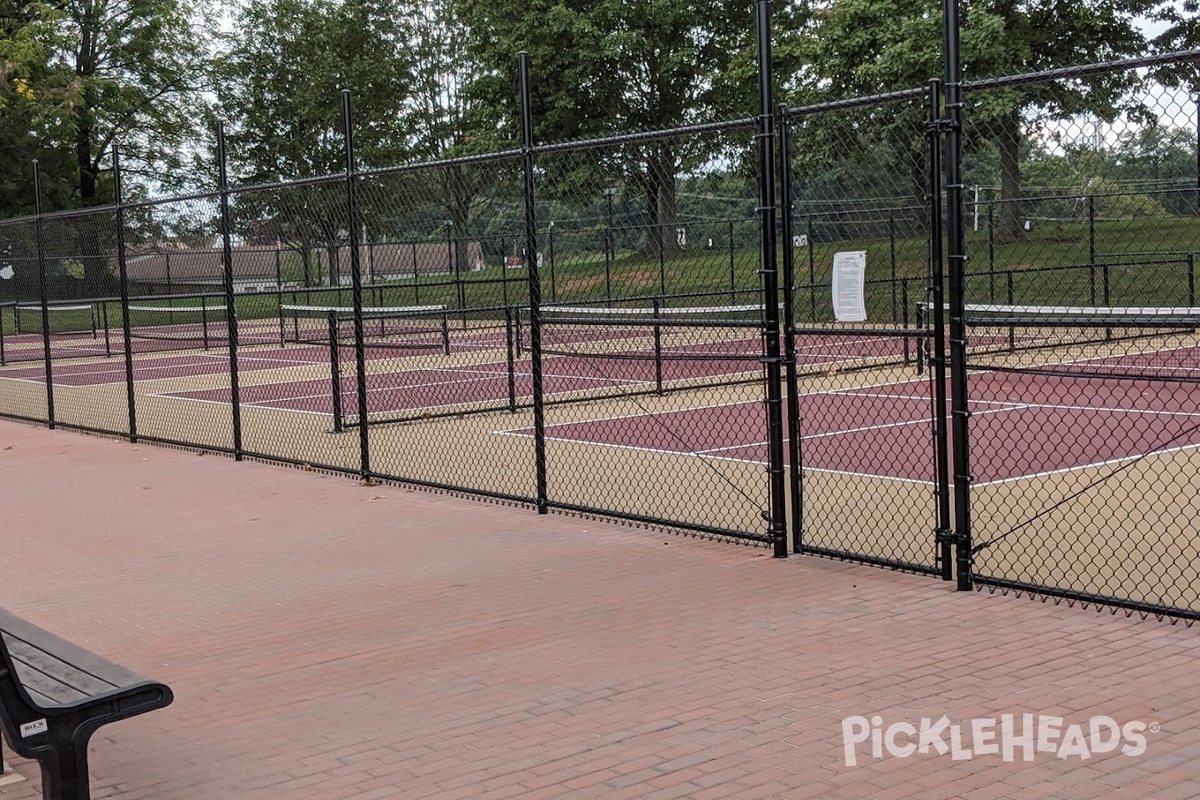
(444,387)
(182,366)
(886,430)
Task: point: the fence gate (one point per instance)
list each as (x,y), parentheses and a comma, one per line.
(866,383)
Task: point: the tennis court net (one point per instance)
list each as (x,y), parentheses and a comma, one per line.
(402,328)
(1118,342)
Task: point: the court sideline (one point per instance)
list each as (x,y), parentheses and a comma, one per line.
(326,639)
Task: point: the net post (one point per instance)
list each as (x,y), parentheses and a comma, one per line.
(510,362)
(1191,279)
(360,358)
(231,323)
(658,363)
(41,251)
(335,374)
(732,267)
(204,319)
(776,516)
(795,465)
(553,283)
(957,273)
(1010,298)
(991,247)
(904,323)
(104,314)
(1091,217)
(279,292)
(445,325)
(812,266)
(504,272)
(535,288)
(892,258)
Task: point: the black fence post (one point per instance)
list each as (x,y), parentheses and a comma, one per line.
(535,286)
(957,266)
(279,290)
(553,284)
(892,260)
(335,372)
(123,278)
(812,266)
(360,358)
(935,347)
(1091,217)
(991,244)
(732,267)
(41,251)
(231,323)
(1191,279)
(777,522)
(795,471)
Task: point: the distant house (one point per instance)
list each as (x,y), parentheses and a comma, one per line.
(180,270)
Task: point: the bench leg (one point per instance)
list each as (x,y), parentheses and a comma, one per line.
(65,772)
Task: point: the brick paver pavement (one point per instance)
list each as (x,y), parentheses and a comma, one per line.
(331,640)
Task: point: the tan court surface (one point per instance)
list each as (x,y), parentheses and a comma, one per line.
(330,640)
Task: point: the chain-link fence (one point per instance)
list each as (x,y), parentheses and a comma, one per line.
(980,362)
(864,460)
(1081,316)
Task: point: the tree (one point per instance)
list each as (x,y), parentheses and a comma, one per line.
(447,121)
(867,46)
(280,83)
(616,66)
(34,96)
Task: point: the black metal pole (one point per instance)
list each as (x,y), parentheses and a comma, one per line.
(732,267)
(892,260)
(510,361)
(123,278)
(335,374)
(41,251)
(360,358)
(1091,216)
(658,354)
(991,242)
(553,284)
(770,284)
(812,266)
(535,286)
(231,322)
(957,273)
(609,250)
(795,471)
(936,348)
(279,291)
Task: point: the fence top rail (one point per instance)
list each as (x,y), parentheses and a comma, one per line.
(475,158)
(789,112)
(1086,70)
(646,136)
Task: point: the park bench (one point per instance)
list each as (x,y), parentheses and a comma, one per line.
(54,695)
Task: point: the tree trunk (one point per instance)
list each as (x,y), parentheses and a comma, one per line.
(457,199)
(1009,222)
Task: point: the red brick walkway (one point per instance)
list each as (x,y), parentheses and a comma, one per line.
(331,640)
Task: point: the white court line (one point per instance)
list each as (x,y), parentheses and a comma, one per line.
(1064,470)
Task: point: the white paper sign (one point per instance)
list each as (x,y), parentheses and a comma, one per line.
(849,279)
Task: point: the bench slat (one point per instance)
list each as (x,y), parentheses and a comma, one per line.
(51,676)
(83,661)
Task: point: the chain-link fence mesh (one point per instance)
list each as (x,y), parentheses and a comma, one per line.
(1081,314)
(652,328)
(585,326)
(861,444)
